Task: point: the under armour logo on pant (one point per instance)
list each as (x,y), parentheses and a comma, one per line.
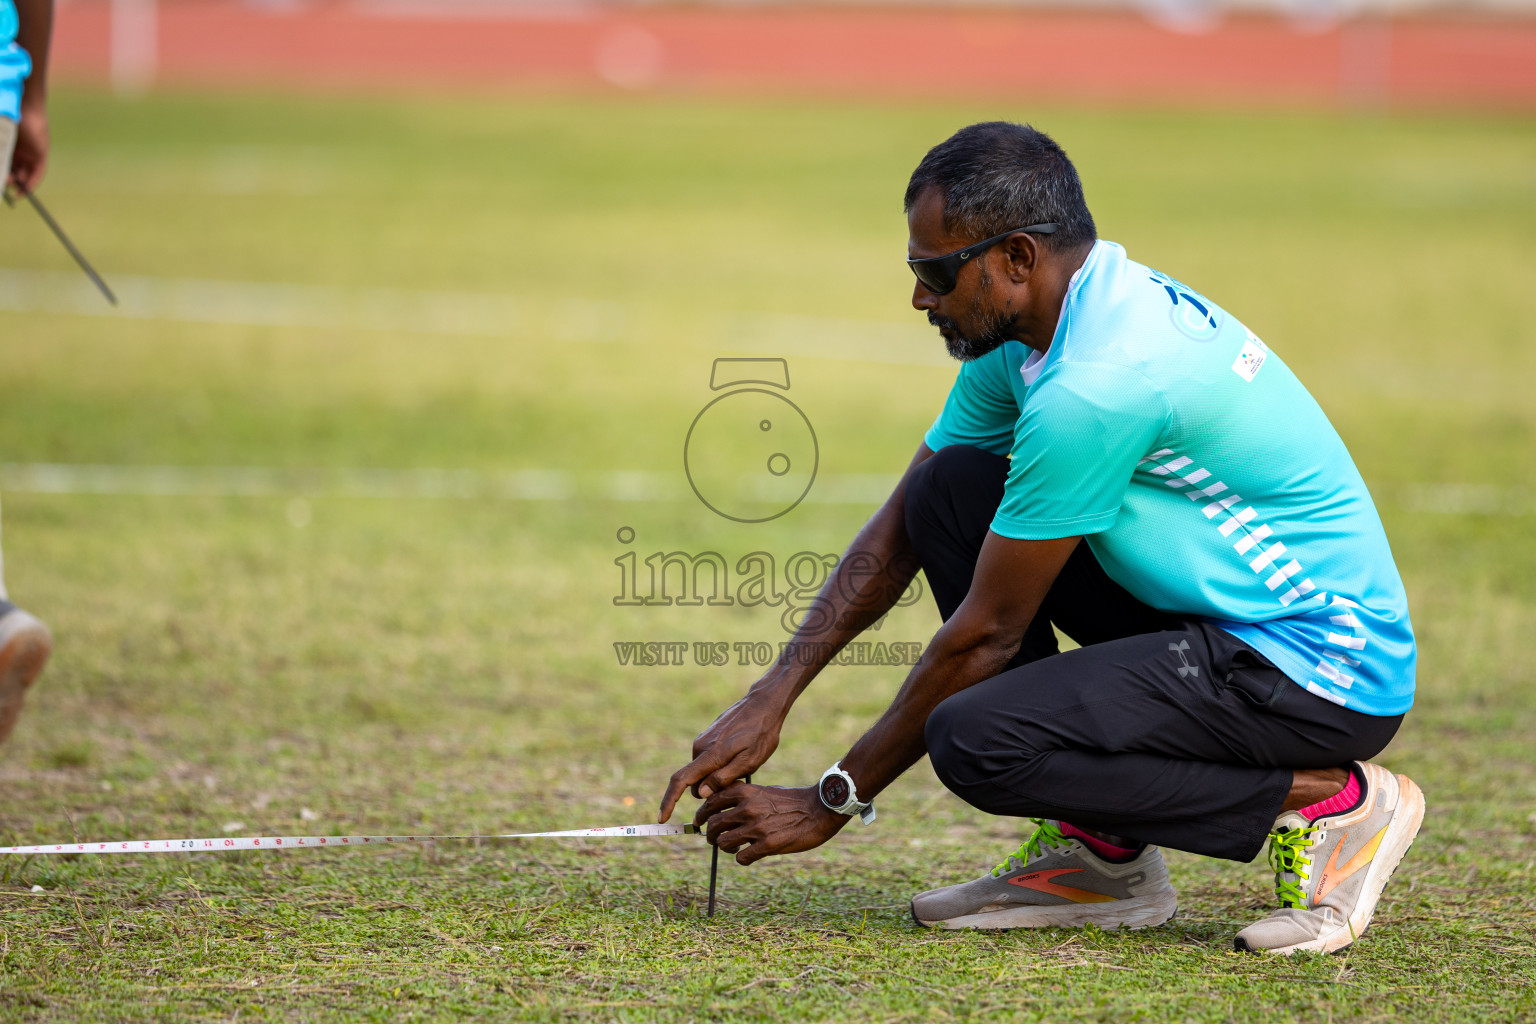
(1185,669)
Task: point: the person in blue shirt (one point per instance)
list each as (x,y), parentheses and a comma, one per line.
(1123,460)
(25,27)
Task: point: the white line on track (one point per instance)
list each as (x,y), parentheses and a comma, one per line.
(1469,499)
(461,484)
(252,303)
(558,485)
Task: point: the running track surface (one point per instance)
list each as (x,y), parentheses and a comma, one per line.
(1120,57)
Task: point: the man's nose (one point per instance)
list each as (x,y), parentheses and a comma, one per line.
(923,299)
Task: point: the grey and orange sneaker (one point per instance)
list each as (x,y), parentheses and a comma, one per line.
(25,644)
(1329,873)
(1055,881)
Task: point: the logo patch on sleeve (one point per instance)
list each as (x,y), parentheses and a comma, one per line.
(1251,359)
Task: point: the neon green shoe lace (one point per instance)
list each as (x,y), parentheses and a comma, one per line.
(1047,833)
(1288,856)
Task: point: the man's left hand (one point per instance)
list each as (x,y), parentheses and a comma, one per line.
(762,821)
(31,156)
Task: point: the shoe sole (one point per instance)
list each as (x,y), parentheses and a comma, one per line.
(22,658)
(1406,822)
(1137,912)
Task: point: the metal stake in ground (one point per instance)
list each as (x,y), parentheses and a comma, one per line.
(58,232)
(714,867)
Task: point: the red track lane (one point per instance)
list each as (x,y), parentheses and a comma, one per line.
(1112,57)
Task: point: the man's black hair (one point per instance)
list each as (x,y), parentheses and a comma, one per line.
(999,175)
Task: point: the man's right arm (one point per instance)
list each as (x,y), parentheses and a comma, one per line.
(868,581)
(33,32)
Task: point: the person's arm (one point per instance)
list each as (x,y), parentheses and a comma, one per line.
(33,32)
(1011,580)
(867,583)
(1077,444)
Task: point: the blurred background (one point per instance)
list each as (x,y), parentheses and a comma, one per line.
(1355,52)
(334,516)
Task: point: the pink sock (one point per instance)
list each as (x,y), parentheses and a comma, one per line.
(1345,799)
(1109,851)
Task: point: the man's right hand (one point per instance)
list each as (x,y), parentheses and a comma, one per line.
(31,155)
(742,739)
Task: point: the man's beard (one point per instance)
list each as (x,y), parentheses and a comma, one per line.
(995,327)
(994,331)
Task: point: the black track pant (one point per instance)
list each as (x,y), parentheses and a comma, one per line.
(1160,728)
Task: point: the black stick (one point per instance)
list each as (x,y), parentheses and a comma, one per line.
(58,232)
(714,869)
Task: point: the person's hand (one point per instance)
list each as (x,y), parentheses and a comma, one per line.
(742,739)
(30,158)
(764,821)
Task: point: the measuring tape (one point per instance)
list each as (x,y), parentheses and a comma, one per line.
(229,844)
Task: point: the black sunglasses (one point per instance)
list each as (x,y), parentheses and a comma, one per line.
(938,273)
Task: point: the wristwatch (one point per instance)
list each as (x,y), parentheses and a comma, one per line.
(841,796)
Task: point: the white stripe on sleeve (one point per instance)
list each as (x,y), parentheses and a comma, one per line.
(1271,553)
(1238,519)
(1282,574)
(1318,691)
(1341,679)
(1249,540)
(1215,507)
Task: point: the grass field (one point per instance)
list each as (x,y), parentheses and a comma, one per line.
(311,658)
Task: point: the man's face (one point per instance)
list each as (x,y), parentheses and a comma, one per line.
(979,315)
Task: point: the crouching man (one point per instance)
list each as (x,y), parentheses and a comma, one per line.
(1122,459)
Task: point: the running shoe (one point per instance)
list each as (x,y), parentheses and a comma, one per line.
(1329,873)
(1055,881)
(25,644)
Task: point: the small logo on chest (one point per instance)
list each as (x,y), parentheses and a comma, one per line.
(1250,360)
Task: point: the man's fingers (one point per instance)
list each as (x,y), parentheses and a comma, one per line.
(755,851)
(724,800)
(740,840)
(686,776)
(669,798)
(669,801)
(737,768)
(723,823)
(720,780)
(752,845)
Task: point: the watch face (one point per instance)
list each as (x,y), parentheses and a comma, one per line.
(834,790)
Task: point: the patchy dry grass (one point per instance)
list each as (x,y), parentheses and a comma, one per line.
(447,665)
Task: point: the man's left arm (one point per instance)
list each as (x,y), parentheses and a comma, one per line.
(1011,580)
(33,31)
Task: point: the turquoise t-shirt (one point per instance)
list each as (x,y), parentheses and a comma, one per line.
(15,65)
(1204,476)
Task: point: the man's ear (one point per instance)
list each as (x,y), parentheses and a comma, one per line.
(1023,253)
